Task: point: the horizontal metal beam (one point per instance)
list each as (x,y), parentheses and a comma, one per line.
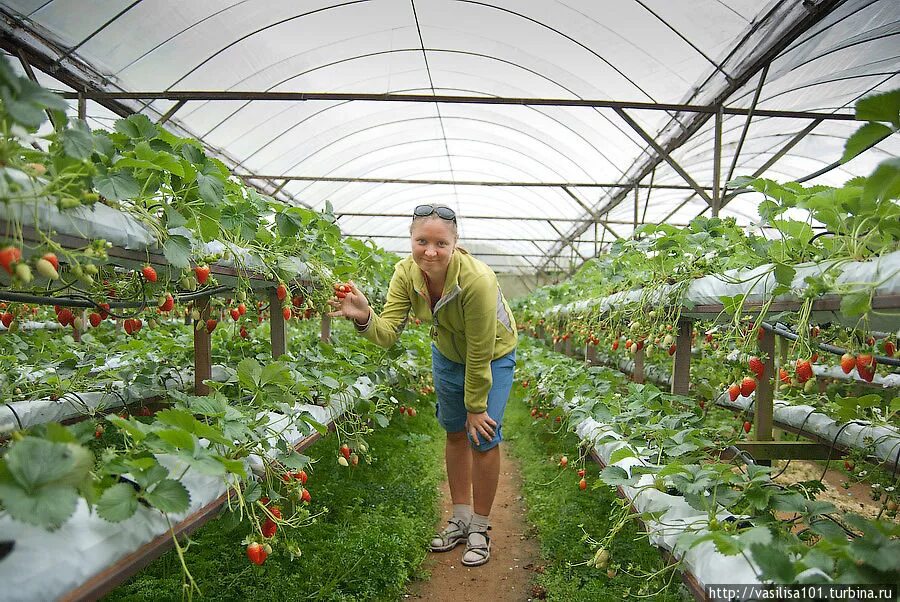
(216,95)
(468,238)
(248,176)
(500,217)
(477,254)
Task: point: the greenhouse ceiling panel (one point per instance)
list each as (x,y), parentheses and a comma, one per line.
(552,127)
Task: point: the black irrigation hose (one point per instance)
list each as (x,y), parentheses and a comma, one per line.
(879,359)
(78,397)
(15,415)
(802,424)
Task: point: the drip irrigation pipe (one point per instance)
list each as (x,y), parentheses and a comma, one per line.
(879,359)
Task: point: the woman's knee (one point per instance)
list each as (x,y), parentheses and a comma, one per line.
(457,437)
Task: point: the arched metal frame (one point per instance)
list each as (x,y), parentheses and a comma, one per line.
(686,143)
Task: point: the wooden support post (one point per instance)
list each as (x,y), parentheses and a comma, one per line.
(765,393)
(202,349)
(681,375)
(541,334)
(638,375)
(277,328)
(567,346)
(590,354)
(325,333)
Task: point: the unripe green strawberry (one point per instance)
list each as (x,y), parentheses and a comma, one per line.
(46,269)
(23,273)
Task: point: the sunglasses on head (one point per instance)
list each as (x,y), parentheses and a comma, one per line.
(441,211)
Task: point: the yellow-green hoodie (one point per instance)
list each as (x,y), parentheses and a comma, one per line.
(472,323)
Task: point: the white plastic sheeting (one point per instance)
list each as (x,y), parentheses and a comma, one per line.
(650,51)
(100,221)
(25,414)
(45,565)
(885,440)
(757,286)
(703,561)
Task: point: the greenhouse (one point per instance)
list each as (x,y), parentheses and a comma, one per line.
(449,300)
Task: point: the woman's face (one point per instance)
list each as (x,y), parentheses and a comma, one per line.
(433,241)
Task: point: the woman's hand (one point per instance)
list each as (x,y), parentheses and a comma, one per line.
(480,424)
(349,303)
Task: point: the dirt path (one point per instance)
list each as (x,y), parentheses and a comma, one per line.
(504,578)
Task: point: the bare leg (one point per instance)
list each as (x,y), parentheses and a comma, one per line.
(458,455)
(485,474)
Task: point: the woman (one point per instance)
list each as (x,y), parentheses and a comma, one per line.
(473,360)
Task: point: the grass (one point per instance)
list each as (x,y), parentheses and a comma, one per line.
(562,514)
(369,544)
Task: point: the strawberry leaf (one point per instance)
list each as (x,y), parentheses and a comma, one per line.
(117,503)
(169,495)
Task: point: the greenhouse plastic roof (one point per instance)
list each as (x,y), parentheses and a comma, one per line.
(815,56)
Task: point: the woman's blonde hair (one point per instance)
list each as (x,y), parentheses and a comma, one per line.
(451,223)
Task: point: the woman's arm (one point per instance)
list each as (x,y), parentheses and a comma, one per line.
(381,329)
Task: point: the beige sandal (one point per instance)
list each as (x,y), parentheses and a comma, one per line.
(477,553)
(453,534)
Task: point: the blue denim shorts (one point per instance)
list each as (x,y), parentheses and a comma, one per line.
(449,385)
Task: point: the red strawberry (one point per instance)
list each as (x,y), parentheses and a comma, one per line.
(243,333)
(615,344)
(256,553)
(305,495)
(784,376)
(865,365)
(128,325)
(7,319)
(211,325)
(95,319)
(804,371)
(104,310)
(757,367)
(137,324)
(65,317)
(286,312)
(235,315)
(9,256)
(734,391)
(748,386)
(671,350)
(582,484)
(242,309)
(202,273)
(149,273)
(297,301)
(889,348)
(301,476)
(581,473)
(168,303)
(281,291)
(51,257)
(848,362)
(747,426)
(345,450)
(269,528)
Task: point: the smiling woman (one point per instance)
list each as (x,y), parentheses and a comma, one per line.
(473,362)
